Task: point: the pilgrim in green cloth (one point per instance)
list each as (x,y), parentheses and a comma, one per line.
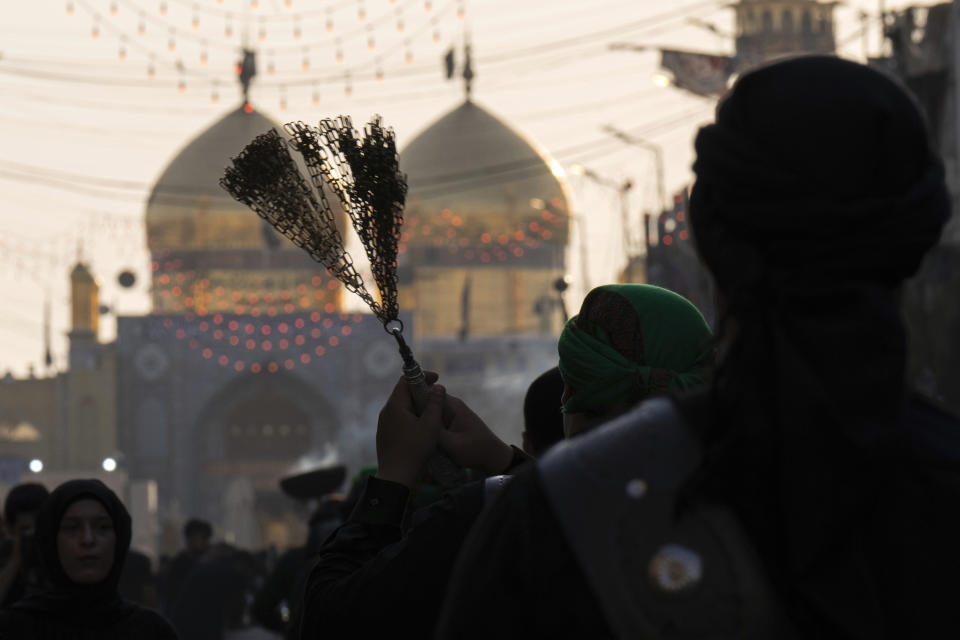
(628,342)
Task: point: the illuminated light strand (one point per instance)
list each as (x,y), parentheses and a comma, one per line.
(262,346)
(228,30)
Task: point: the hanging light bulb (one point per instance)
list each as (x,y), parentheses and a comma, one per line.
(215,97)
(203,54)
(339,54)
(69,8)
(316,97)
(379,74)
(347,89)
(171,44)
(262,34)
(113,8)
(270,66)
(254,4)
(228,30)
(461,11)
(436,35)
(409,57)
(283,100)
(306,63)
(288,4)
(296,30)
(400,25)
(182,86)
(122,53)
(371,43)
(195,23)
(329,21)
(142,27)
(361,12)
(163,8)
(427,6)
(95,31)
(151,71)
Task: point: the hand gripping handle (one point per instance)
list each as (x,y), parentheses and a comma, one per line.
(444,471)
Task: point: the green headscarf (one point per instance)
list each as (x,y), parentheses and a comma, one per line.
(630,341)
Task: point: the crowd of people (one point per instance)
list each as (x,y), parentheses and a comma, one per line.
(775,478)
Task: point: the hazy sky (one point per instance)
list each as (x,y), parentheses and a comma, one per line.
(86,132)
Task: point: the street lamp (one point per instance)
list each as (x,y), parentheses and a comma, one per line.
(36,465)
(109,465)
(657,151)
(622,188)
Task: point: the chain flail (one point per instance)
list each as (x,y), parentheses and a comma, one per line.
(362,172)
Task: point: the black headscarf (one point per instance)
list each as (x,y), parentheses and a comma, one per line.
(80,605)
(817,194)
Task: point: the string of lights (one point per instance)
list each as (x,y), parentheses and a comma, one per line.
(355,74)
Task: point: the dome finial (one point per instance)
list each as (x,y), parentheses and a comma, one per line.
(246,70)
(467,69)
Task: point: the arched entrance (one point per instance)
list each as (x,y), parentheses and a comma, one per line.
(253,432)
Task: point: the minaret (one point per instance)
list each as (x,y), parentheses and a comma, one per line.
(85,317)
(769,29)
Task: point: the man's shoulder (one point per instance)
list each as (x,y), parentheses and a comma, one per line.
(653,437)
(652,561)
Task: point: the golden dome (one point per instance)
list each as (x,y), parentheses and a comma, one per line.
(486,229)
(187,208)
(211,253)
(471,166)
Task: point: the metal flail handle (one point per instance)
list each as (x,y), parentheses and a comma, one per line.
(444,471)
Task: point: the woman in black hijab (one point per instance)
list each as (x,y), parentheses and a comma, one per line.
(807,489)
(82,535)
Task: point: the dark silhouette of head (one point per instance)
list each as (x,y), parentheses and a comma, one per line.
(197,534)
(542,420)
(21,507)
